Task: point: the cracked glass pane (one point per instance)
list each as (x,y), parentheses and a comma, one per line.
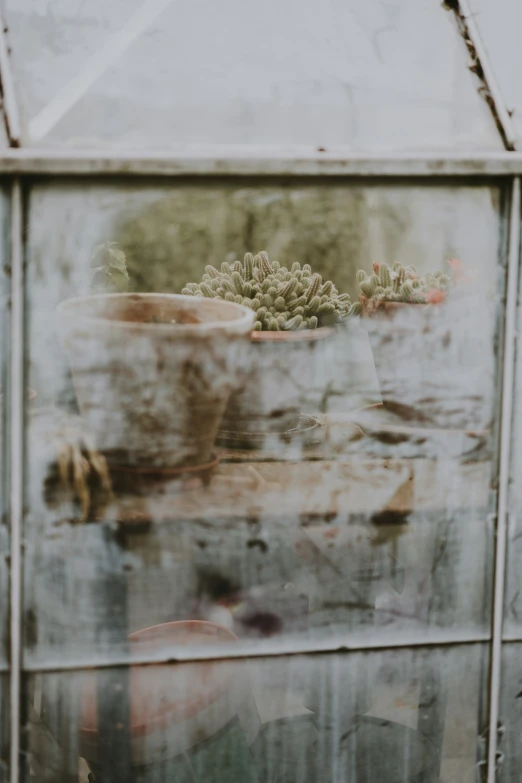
(311,490)
(373,76)
(405,715)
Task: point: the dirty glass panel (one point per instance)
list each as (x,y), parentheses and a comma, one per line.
(372,76)
(353,523)
(499,25)
(394,716)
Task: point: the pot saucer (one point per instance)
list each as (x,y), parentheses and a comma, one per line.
(390,435)
(272,441)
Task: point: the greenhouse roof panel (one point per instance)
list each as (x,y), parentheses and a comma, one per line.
(500,24)
(378,76)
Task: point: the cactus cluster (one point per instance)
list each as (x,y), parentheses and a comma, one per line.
(283,299)
(400,284)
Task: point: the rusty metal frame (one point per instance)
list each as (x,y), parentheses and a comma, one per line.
(214,161)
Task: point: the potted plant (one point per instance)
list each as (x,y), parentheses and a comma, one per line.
(174,708)
(430,338)
(295,312)
(153,373)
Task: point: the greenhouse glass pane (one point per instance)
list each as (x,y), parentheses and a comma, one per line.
(499,25)
(347,523)
(370,76)
(398,716)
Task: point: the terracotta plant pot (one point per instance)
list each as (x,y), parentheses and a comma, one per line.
(153,372)
(434,362)
(285,376)
(174,707)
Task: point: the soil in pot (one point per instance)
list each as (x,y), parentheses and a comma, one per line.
(153,373)
(434,362)
(285,376)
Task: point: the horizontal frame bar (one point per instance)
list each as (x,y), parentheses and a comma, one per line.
(345,643)
(253,161)
(48,667)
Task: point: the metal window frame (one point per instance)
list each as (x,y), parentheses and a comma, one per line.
(192,161)
(17,165)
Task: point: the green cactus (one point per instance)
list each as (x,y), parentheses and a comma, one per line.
(237,281)
(206,290)
(385,276)
(398,284)
(313,305)
(282,298)
(314,286)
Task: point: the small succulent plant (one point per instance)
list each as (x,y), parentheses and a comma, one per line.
(283,299)
(399,284)
(109,269)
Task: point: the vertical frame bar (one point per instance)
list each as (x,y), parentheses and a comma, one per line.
(16,474)
(508,373)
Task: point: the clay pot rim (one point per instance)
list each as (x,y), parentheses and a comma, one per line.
(303,335)
(176,711)
(179,624)
(387,307)
(241,325)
